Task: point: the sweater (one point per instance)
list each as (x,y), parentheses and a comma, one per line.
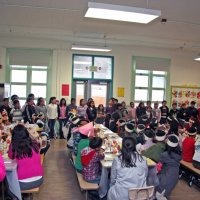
(155,151)
(82,144)
(28,167)
(81,110)
(188,149)
(124,178)
(52,111)
(2,169)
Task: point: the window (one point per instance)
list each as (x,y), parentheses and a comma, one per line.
(150,85)
(92,67)
(28,79)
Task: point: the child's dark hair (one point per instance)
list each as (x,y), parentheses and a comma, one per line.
(65,103)
(128,155)
(174,104)
(15,102)
(22,144)
(96,142)
(81,100)
(31,95)
(39,100)
(100,105)
(51,99)
(73,99)
(164,101)
(90,103)
(5,99)
(29,99)
(176,150)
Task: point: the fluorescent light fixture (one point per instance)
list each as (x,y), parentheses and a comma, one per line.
(90,48)
(121,13)
(197,58)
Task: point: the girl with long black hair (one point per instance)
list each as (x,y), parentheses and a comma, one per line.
(129,170)
(26,152)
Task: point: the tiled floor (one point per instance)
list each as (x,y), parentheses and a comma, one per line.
(61,183)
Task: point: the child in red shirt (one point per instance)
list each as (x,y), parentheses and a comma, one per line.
(189,145)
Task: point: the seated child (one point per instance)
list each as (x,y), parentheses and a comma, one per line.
(113,126)
(169,174)
(148,140)
(188,146)
(155,151)
(86,132)
(16,113)
(2,169)
(129,170)
(43,139)
(196,157)
(90,158)
(26,152)
(79,135)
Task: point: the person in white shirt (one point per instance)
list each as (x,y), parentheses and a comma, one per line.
(196,157)
(52,114)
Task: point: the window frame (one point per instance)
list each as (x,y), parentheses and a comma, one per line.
(28,82)
(93,58)
(150,87)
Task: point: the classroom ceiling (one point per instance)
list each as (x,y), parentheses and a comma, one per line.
(63,20)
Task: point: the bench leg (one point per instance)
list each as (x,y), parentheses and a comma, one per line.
(86,195)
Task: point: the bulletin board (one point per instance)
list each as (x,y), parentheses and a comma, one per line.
(181,94)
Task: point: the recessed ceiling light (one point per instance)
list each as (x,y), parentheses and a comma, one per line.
(121,13)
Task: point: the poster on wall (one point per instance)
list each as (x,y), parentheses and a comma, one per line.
(65,89)
(185,95)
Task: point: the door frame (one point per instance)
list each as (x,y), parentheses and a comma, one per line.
(87,89)
(73,80)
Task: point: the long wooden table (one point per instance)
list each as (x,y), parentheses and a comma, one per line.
(109,157)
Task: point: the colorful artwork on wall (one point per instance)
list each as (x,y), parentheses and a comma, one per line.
(181,94)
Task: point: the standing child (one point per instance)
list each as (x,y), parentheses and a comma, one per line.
(169,174)
(140,110)
(90,158)
(124,111)
(29,111)
(188,146)
(164,112)
(52,113)
(174,111)
(72,106)
(5,106)
(16,113)
(156,112)
(81,110)
(91,111)
(132,112)
(100,114)
(62,116)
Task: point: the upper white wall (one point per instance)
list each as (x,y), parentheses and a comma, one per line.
(183,70)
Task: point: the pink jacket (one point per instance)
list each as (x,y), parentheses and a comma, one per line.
(28,167)
(2,169)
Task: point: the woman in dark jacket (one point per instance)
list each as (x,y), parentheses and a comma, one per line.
(91,111)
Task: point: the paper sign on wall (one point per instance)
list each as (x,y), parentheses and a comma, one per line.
(120,92)
(65,89)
